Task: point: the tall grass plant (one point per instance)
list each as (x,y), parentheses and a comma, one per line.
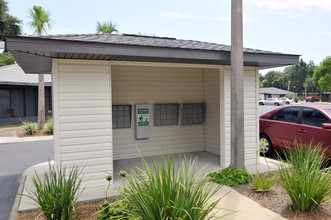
(170,189)
(57,191)
(304,175)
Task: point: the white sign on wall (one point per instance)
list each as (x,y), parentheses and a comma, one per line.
(143,127)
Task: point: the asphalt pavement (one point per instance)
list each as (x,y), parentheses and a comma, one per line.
(14,159)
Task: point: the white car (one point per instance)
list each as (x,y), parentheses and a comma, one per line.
(272,101)
(287,101)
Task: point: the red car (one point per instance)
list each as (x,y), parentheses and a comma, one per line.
(312,99)
(282,126)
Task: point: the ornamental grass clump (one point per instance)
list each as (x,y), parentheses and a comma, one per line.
(57,191)
(262,183)
(304,176)
(170,189)
(48,126)
(30,128)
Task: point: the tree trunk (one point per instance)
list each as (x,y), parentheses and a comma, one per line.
(41,101)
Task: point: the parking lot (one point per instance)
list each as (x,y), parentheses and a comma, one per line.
(266,108)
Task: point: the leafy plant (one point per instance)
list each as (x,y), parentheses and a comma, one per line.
(170,190)
(57,191)
(230,177)
(30,128)
(120,209)
(305,178)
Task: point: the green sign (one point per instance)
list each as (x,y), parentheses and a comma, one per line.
(143,111)
(143,123)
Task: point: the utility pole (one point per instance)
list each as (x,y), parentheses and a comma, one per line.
(237,87)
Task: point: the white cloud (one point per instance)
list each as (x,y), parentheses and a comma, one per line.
(305,5)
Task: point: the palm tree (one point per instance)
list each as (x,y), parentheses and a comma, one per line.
(107,27)
(40,22)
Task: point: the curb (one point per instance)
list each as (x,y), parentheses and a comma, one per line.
(4,140)
(14,210)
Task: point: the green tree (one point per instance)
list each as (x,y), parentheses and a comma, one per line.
(275,79)
(40,22)
(305,85)
(297,74)
(6,59)
(107,27)
(322,75)
(9,25)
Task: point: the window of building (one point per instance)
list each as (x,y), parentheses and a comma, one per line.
(166,114)
(121,116)
(193,113)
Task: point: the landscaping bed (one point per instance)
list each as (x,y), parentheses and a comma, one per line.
(278,201)
(21,133)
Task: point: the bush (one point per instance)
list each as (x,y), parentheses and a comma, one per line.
(120,209)
(230,177)
(170,191)
(57,192)
(48,126)
(30,128)
(303,177)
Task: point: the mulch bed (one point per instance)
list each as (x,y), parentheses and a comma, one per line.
(88,212)
(20,133)
(278,201)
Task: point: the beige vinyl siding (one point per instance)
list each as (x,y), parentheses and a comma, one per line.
(151,85)
(212,120)
(250,114)
(83,127)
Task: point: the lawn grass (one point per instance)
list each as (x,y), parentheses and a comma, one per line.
(10,126)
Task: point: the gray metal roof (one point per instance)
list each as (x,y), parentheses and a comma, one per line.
(274,91)
(14,75)
(40,49)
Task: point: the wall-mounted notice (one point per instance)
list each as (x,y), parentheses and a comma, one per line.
(143,127)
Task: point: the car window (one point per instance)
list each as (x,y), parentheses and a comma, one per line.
(286,114)
(313,117)
(328,111)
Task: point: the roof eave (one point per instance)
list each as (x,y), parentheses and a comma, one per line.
(35,55)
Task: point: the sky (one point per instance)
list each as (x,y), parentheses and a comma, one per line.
(289,26)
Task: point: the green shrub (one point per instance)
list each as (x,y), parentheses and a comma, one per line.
(170,190)
(230,177)
(30,128)
(48,126)
(57,192)
(305,178)
(120,209)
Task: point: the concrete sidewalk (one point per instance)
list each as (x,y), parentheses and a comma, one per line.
(240,206)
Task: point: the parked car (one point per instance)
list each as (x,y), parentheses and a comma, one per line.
(312,99)
(287,101)
(272,101)
(283,126)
